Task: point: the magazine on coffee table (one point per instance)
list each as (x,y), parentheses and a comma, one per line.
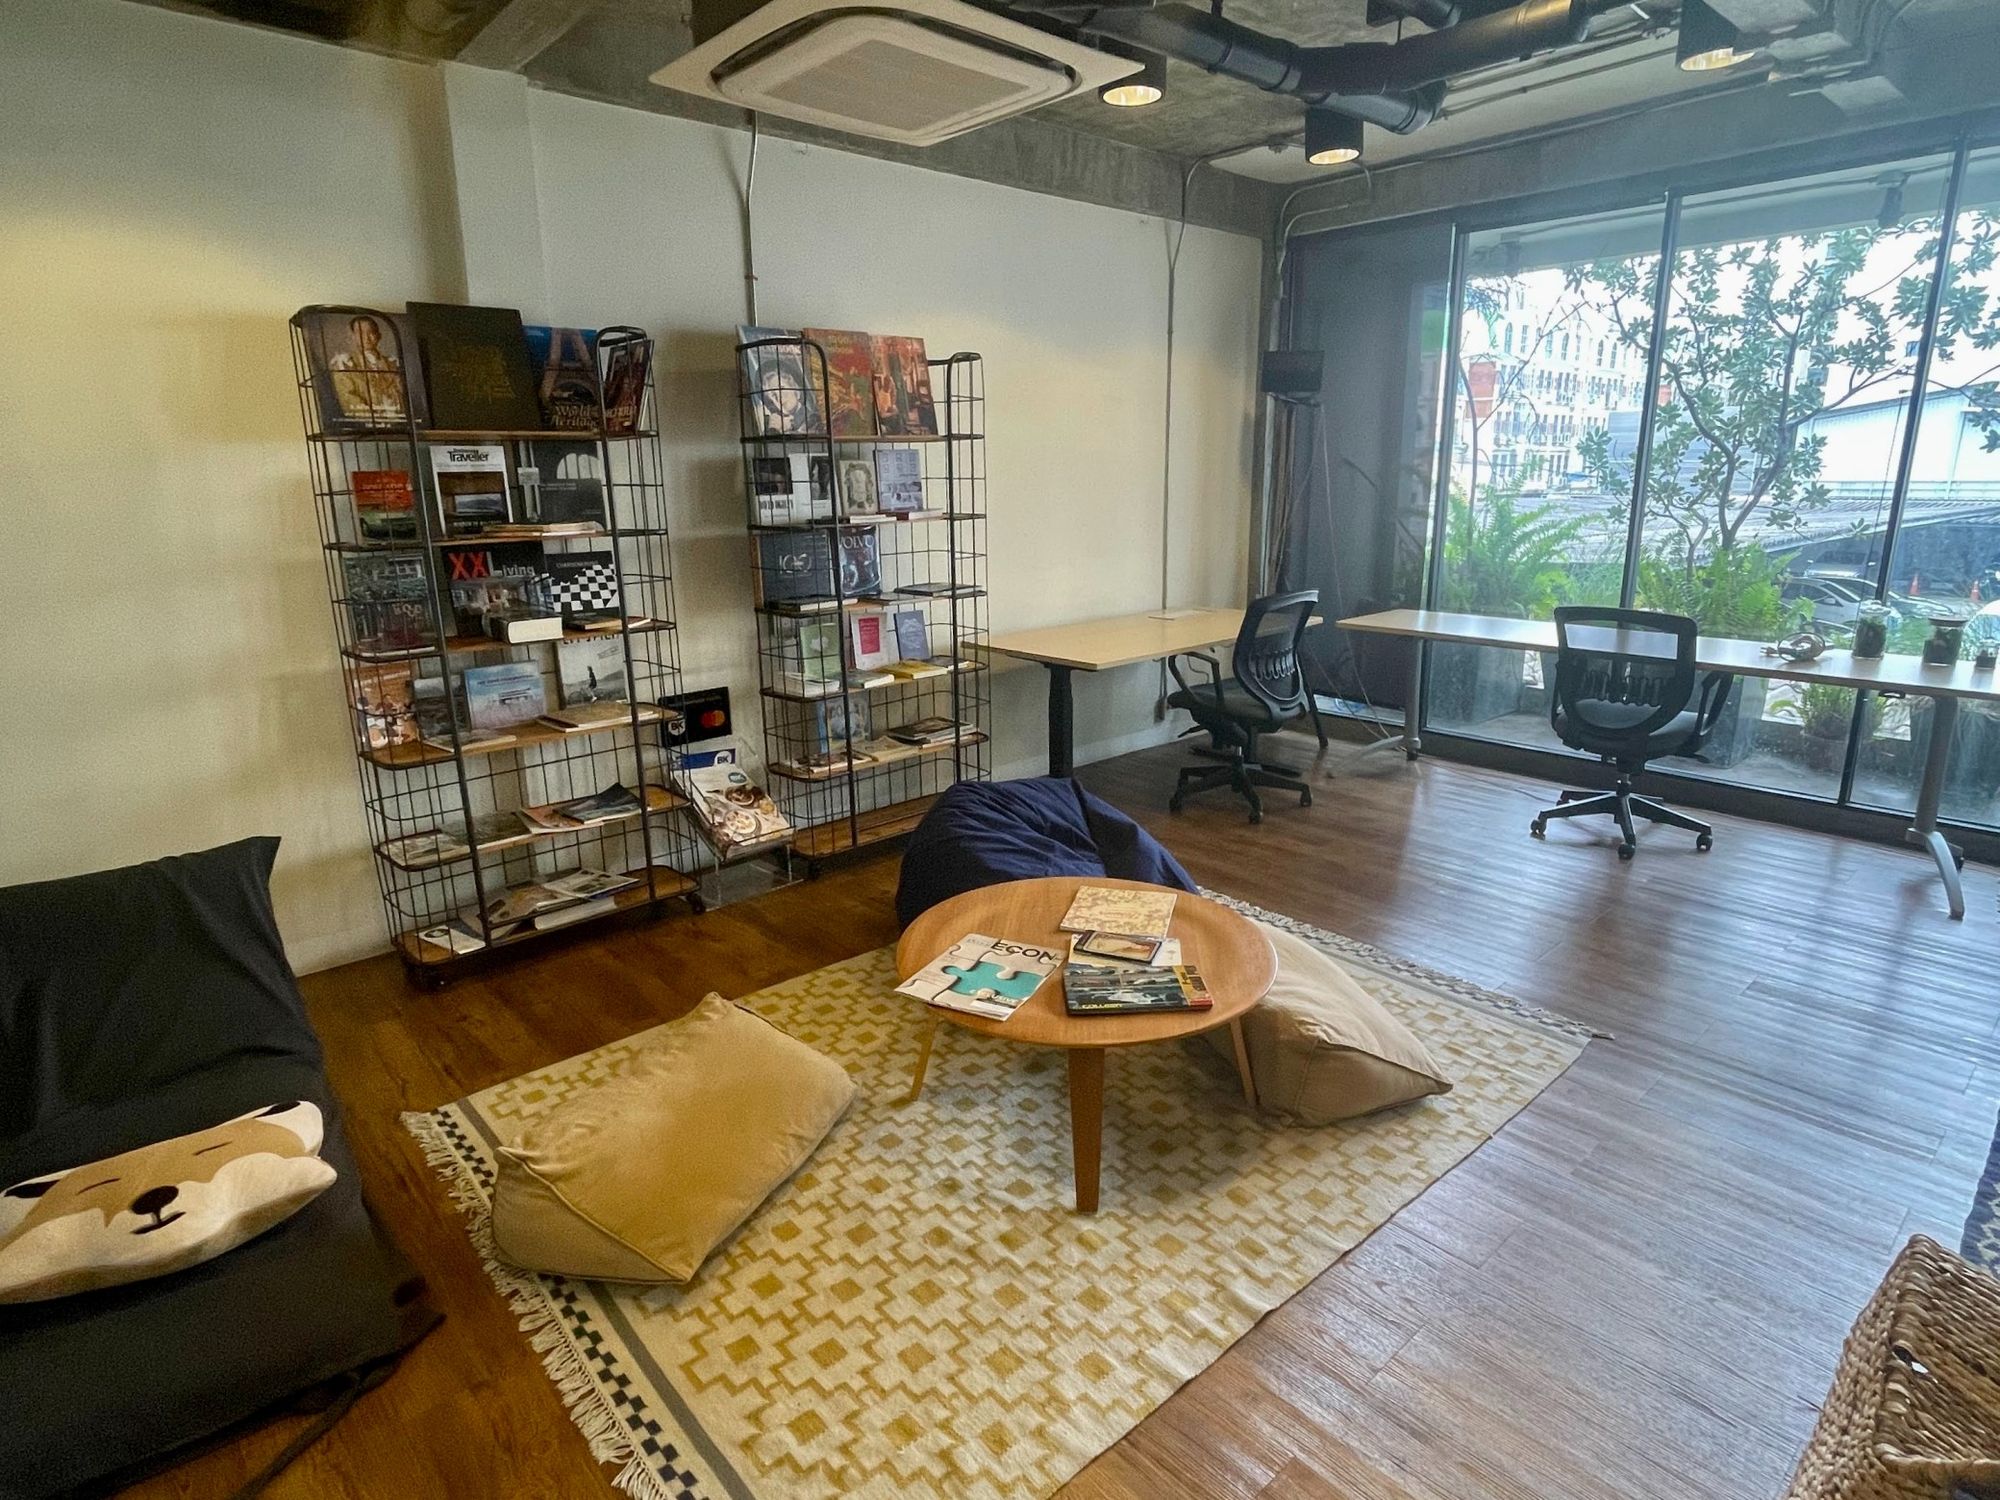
(1109,908)
(982,976)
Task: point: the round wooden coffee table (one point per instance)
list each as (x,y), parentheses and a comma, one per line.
(1235,960)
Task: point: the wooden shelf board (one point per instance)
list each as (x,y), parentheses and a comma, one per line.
(666,884)
(870,827)
(455,643)
(526,737)
(853,438)
(880,687)
(854,523)
(864,606)
(884,760)
(467,435)
(658,800)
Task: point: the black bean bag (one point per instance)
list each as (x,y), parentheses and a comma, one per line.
(982,833)
(136,1005)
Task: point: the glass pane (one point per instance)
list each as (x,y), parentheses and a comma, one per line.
(1789,361)
(1549,368)
(1947,551)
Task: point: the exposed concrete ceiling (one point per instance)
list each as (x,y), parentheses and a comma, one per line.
(1884,57)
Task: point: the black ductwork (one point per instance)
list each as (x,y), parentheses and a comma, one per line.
(1433,13)
(1397,86)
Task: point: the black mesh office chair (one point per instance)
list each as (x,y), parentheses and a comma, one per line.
(1266,690)
(1626,690)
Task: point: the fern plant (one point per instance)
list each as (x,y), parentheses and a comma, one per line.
(1503,559)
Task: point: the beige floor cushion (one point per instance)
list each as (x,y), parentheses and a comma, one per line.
(1322,1048)
(638,1179)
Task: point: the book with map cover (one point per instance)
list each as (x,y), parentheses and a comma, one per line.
(1106,908)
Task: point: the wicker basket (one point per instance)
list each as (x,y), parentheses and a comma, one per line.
(1914,1413)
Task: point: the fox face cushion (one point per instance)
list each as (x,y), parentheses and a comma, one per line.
(161,1208)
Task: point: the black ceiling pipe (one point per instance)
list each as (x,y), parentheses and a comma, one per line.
(1219,45)
(1432,57)
(1433,13)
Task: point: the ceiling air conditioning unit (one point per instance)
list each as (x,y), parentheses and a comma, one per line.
(912,71)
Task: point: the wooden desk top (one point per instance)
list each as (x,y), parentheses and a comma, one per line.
(1235,958)
(1892,674)
(1095,645)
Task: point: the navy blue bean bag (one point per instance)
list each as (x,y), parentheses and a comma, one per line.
(982,833)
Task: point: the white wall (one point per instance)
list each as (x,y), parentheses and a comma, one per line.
(171,188)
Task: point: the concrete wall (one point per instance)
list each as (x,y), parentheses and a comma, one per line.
(172,188)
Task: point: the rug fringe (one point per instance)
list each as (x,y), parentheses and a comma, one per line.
(536,1315)
(1450,985)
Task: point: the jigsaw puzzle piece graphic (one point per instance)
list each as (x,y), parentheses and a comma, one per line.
(986,980)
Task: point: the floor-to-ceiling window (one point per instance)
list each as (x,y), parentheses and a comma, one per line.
(1795,472)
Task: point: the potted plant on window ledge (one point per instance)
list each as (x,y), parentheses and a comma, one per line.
(1499,559)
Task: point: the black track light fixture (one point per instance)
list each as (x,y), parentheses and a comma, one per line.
(1709,39)
(1147,86)
(1332,138)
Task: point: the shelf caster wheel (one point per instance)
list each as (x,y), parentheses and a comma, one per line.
(1257,817)
(1704,842)
(1958,858)
(1538,829)
(1305,796)
(1626,851)
(1410,755)
(695,903)
(1176,802)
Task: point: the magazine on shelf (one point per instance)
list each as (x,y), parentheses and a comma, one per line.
(820,764)
(591,671)
(583,587)
(732,812)
(982,976)
(1105,908)
(420,850)
(781,392)
(899,481)
(795,567)
(860,563)
(562,484)
(627,362)
(932,729)
(806,656)
(1100,990)
(385,704)
(857,486)
(850,369)
(385,505)
(388,601)
(771,489)
(903,406)
(455,936)
(840,722)
(564,362)
(494,586)
(476,369)
(358,363)
(504,695)
(871,643)
(471,486)
(913,635)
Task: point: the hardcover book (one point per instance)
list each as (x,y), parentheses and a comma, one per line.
(498,581)
(795,566)
(982,976)
(1094,990)
(471,486)
(812,490)
(841,723)
(771,489)
(808,656)
(780,393)
(932,729)
(1104,908)
(628,357)
(871,644)
(913,635)
(388,599)
(860,563)
(476,368)
(384,704)
(899,481)
(501,696)
(583,586)
(385,505)
(902,378)
(857,486)
(591,671)
(358,363)
(850,370)
(732,811)
(564,361)
(563,484)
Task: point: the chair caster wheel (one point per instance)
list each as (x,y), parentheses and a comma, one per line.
(1704,842)
(1176,802)
(1958,858)
(1539,829)
(1626,851)
(1305,796)
(1256,817)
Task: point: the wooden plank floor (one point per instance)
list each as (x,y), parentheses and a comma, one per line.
(1636,1290)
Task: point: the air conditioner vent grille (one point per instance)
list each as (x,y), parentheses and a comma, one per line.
(891,87)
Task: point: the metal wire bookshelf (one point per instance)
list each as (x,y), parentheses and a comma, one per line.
(869,621)
(443,805)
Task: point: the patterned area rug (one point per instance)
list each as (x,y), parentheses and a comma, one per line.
(918,1312)
(1981,1245)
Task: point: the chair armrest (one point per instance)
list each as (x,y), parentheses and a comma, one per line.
(1214,683)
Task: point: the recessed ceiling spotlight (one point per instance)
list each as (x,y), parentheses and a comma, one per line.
(1147,86)
(1709,39)
(1332,139)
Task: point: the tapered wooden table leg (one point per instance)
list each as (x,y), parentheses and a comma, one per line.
(1243,1063)
(923,1056)
(1086,1121)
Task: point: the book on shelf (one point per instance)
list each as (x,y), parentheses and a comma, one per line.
(419,850)
(932,729)
(795,567)
(871,644)
(388,601)
(913,635)
(364,370)
(591,671)
(583,586)
(850,371)
(1122,990)
(385,704)
(841,722)
(813,493)
(455,937)
(817,765)
(982,976)
(576,718)
(562,484)
(504,695)
(476,369)
(858,499)
(902,379)
(521,628)
(539,531)
(615,802)
(564,364)
(627,362)
(860,563)
(1107,908)
(782,395)
(915,670)
(939,591)
(805,656)
(899,481)
(566,916)
(471,481)
(732,812)
(472,739)
(385,505)
(498,587)
(770,489)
